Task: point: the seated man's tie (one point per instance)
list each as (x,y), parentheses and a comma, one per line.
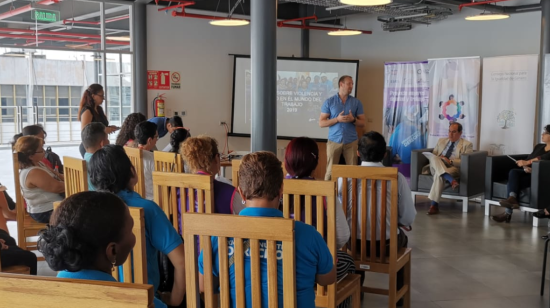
(450,150)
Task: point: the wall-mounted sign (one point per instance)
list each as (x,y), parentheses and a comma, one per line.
(158,80)
(45,15)
(175,79)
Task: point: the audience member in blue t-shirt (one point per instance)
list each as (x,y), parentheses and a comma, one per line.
(94,138)
(89,234)
(111,170)
(261,187)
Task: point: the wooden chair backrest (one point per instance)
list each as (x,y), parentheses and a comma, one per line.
(296,191)
(168,162)
(76,175)
(166,185)
(18,195)
(26,226)
(235,165)
(50,292)
(386,178)
(270,230)
(136,272)
(136,156)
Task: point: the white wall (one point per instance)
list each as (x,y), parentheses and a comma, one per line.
(200,52)
(453,37)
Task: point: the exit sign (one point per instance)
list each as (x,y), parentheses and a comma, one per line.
(45,15)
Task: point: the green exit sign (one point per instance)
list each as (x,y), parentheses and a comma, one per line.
(45,15)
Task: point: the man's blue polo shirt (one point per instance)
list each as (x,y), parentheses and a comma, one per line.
(160,235)
(342,132)
(99,276)
(161,125)
(312,258)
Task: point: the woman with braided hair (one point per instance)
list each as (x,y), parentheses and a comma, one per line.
(90,110)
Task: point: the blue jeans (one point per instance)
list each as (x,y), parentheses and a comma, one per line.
(517,181)
(43,217)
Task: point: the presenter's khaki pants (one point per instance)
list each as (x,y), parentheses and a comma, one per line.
(438,168)
(334,150)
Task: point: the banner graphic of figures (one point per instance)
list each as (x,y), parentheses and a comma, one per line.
(509,104)
(454,97)
(406,98)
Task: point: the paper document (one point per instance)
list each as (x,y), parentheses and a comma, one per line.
(428,154)
(511,158)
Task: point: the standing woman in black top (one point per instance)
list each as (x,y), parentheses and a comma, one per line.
(90,110)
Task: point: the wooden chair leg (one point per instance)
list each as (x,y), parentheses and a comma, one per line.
(392,290)
(356,297)
(407,282)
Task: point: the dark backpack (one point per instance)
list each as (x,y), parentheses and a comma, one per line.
(54,160)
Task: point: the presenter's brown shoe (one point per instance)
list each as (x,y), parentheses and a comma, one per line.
(511,203)
(434,210)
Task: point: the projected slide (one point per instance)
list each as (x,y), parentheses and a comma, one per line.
(300,94)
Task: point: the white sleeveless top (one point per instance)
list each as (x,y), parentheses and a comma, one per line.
(38,200)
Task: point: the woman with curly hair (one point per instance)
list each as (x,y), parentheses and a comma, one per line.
(126,135)
(90,110)
(201,155)
(89,235)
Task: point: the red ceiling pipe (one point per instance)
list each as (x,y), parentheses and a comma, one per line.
(95,23)
(44,32)
(284,24)
(26,8)
(183,4)
(478,3)
(62,39)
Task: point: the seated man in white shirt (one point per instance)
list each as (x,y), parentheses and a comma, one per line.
(372,149)
(146,139)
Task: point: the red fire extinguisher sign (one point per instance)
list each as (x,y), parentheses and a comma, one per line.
(158,80)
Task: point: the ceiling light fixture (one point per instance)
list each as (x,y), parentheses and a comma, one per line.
(344,32)
(230,22)
(366,2)
(488,16)
(118,38)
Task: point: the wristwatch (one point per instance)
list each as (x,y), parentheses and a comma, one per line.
(354,119)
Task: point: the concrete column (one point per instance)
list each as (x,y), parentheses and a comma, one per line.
(139,24)
(543,111)
(264,75)
(304,33)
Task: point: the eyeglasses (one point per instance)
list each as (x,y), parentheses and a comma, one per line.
(453,131)
(102,95)
(38,152)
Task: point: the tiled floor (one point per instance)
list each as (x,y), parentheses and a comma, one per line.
(466,260)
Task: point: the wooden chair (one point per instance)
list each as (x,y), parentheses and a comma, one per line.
(235,165)
(168,162)
(272,230)
(398,257)
(304,190)
(50,292)
(166,185)
(136,272)
(76,175)
(26,226)
(136,156)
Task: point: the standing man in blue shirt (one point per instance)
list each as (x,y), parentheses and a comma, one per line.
(342,113)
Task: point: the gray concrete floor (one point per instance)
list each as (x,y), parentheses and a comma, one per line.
(458,259)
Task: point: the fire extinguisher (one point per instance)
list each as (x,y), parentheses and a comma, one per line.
(158,106)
